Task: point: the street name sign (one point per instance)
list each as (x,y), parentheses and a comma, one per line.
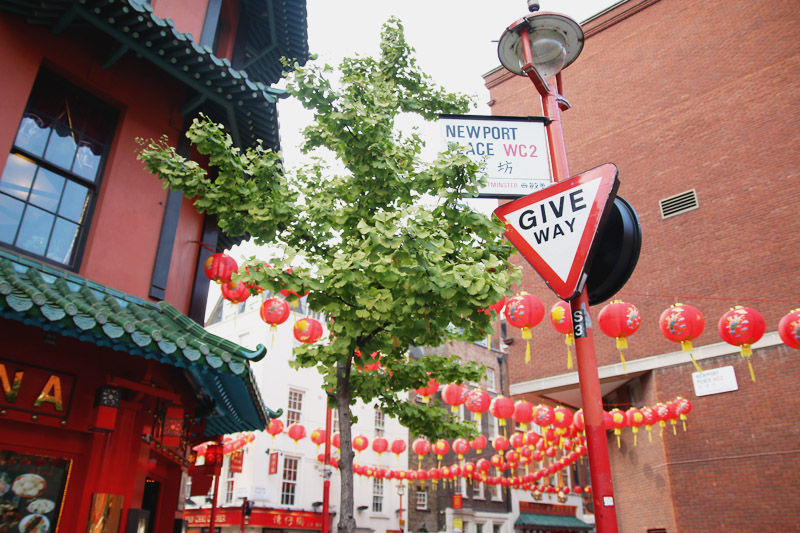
(555,228)
(512,151)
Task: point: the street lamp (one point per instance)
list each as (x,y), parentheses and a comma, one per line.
(540,46)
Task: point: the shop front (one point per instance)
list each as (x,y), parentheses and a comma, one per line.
(261,519)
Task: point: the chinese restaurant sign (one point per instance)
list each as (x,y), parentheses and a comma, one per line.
(512,150)
(271,518)
(35,390)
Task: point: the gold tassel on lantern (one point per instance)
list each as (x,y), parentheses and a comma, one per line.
(687,347)
(526,334)
(622,343)
(746,352)
(569,341)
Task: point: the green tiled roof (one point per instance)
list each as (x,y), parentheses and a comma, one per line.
(551,522)
(65,303)
(240,98)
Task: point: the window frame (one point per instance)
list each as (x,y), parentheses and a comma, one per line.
(378,495)
(294,415)
(291,465)
(48,77)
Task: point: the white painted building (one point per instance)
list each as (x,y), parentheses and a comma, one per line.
(296,482)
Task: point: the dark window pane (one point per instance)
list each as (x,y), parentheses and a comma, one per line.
(10,213)
(17,176)
(87,162)
(35,230)
(74,202)
(32,134)
(62,147)
(47,190)
(62,243)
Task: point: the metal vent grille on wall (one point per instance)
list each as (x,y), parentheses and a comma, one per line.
(680,203)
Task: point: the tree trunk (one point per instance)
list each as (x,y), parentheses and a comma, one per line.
(347,523)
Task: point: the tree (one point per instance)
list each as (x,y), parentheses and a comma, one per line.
(394,257)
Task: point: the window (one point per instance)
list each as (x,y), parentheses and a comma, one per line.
(377,495)
(229,481)
(295,407)
(49,183)
(380,423)
(458,487)
(477,490)
(496,493)
(334,420)
(490,380)
(497,528)
(289,485)
(422,499)
(478,528)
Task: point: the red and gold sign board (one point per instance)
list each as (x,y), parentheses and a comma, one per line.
(273,463)
(270,518)
(27,390)
(237,460)
(546,508)
(458,501)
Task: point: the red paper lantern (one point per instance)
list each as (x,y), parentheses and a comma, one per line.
(434,474)
(422,475)
(369,364)
(478,402)
(524,311)
(379,445)
(578,422)
(428,391)
(398,447)
(275,427)
(682,323)
(235,294)
(460,447)
(561,319)
(454,395)
(682,407)
(742,326)
(789,329)
(635,420)
(421,447)
(619,320)
(531,438)
(307,330)
(274,311)
(106,403)
(662,414)
(469,469)
(523,414)
(502,408)
(478,443)
(543,415)
(562,419)
(650,419)
(500,443)
(360,443)
(336,441)
(440,448)
(318,437)
(296,432)
(517,440)
(220,267)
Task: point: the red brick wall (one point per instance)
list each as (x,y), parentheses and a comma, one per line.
(693,95)
(686,95)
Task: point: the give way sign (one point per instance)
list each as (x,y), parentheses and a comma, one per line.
(555,228)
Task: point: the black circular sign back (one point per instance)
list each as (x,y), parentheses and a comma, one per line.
(617,252)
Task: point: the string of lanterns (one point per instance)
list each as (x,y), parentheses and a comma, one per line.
(680,323)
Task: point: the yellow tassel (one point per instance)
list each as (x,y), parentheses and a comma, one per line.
(635,440)
(686,345)
(752,374)
(696,366)
(746,350)
(489,342)
(649,435)
(569,358)
(528,352)
(622,343)
(570,339)
(526,333)
(618,443)
(622,356)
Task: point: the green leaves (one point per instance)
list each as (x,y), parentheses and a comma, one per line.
(395,258)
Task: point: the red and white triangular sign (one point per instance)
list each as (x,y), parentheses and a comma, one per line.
(554,228)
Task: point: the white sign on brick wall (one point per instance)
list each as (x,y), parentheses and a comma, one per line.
(715,381)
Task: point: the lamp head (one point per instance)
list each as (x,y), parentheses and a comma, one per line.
(555,42)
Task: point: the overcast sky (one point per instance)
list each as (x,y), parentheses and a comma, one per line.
(455,42)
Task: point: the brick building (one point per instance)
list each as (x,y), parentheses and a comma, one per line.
(695,99)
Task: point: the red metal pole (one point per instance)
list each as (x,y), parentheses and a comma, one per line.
(326,484)
(605,512)
(588,378)
(213,517)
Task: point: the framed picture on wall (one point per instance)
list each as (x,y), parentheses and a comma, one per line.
(32,489)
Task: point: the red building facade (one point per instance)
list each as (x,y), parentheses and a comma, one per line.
(107,381)
(689,99)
